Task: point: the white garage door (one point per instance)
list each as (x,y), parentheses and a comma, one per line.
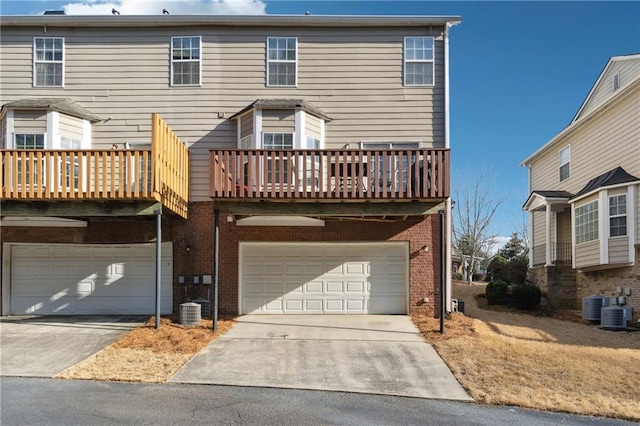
(323,278)
(65,279)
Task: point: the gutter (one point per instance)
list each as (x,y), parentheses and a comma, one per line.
(230,20)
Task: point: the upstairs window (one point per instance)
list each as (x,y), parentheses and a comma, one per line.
(618,215)
(277,141)
(587,222)
(185,61)
(28,141)
(564,163)
(282,54)
(48,61)
(418,61)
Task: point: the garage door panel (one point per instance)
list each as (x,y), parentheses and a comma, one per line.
(101,279)
(314,287)
(335,287)
(324,277)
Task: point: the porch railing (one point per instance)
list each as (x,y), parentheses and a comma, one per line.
(159,173)
(329,174)
(560,253)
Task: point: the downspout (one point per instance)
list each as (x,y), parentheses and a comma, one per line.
(447,145)
(158,263)
(216,264)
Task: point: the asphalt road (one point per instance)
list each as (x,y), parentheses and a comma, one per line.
(30,401)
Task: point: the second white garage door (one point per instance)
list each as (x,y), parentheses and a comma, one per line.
(323,278)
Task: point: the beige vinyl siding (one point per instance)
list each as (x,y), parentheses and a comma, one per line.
(352,74)
(619,250)
(71,127)
(29,122)
(246,125)
(278,121)
(609,139)
(628,70)
(588,254)
(313,125)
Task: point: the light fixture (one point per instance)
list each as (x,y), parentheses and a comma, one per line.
(188,248)
(425,248)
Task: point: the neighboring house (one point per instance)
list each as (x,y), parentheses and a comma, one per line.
(301,160)
(584,202)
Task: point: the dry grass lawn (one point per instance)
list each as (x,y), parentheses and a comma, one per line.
(148,355)
(539,362)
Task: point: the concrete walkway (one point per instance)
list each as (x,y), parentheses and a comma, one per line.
(379,354)
(46,346)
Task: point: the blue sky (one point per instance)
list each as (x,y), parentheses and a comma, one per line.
(519,70)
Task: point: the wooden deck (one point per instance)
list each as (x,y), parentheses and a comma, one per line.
(160,173)
(307,175)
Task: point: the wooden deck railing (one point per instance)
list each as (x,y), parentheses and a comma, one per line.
(560,253)
(160,173)
(329,174)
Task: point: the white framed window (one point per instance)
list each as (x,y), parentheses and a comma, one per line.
(282,61)
(186,63)
(245,142)
(564,163)
(48,61)
(618,215)
(28,141)
(313,143)
(615,81)
(419,61)
(586,227)
(277,170)
(277,141)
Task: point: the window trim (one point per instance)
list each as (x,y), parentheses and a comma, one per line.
(44,61)
(284,61)
(173,61)
(596,220)
(431,61)
(278,133)
(15,142)
(625,215)
(567,163)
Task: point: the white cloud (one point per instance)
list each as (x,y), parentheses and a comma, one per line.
(175,7)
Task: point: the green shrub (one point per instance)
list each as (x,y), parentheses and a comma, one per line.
(497,292)
(526,296)
(457,276)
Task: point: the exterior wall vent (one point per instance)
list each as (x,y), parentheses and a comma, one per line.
(591,308)
(190,314)
(613,318)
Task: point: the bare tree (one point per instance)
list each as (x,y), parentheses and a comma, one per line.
(521,230)
(474,210)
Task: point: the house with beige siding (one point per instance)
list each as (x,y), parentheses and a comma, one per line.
(269,164)
(584,200)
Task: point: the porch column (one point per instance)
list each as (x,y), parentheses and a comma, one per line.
(548,260)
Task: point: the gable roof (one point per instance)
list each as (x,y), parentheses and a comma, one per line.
(624,91)
(548,197)
(283,104)
(63,105)
(610,178)
(601,76)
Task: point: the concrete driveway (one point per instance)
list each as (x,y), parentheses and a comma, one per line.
(380,354)
(46,346)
